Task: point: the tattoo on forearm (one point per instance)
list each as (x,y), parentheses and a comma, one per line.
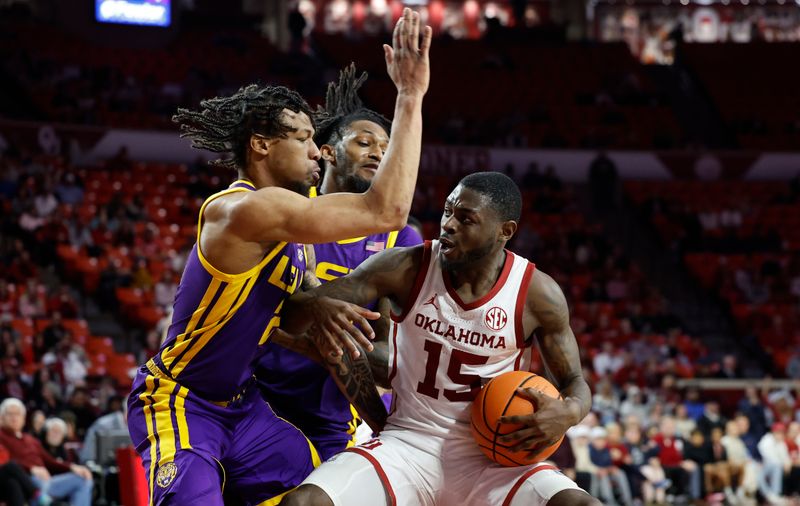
(303,344)
(355,380)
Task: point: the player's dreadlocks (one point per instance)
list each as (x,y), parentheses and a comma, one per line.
(343,106)
(225,124)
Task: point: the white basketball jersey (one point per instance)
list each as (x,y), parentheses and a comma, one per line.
(443,350)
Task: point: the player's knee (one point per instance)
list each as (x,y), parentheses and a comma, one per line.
(307,495)
(573,498)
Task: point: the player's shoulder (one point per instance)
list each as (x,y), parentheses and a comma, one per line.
(544,288)
(397,259)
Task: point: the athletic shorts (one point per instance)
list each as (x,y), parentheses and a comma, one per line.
(402,467)
(192,448)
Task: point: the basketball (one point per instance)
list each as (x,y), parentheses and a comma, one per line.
(499,398)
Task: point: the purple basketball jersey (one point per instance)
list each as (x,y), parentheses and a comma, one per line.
(221,321)
(301,390)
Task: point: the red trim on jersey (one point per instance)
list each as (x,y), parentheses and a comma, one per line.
(381,474)
(394,352)
(509,261)
(518,361)
(519,309)
(524,477)
(420,279)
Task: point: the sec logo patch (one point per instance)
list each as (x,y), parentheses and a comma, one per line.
(166,474)
(496,318)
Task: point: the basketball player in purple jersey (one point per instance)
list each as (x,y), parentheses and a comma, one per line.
(465,310)
(352,141)
(195,415)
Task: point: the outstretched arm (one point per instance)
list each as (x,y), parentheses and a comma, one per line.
(275,214)
(547,311)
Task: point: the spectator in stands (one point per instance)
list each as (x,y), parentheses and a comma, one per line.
(114,421)
(607,361)
(792,487)
(37,423)
(730,368)
(744,469)
(54,333)
(67,481)
(585,470)
(781,404)
(605,401)
(694,406)
(55,432)
(684,474)
(8,301)
(84,413)
(68,190)
(654,483)
(607,473)
(16,487)
(710,419)
(749,438)
(63,303)
(634,404)
(753,408)
(30,305)
(22,268)
(45,202)
(684,426)
(775,461)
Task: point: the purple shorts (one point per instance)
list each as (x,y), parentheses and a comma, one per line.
(192,448)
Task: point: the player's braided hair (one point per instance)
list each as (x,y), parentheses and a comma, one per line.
(225,124)
(343,106)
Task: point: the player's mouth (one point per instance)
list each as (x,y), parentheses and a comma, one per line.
(373,167)
(446,245)
(315,176)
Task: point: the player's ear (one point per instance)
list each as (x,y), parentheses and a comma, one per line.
(259,144)
(508,229)
(328,153)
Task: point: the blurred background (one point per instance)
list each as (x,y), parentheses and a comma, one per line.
(657,144)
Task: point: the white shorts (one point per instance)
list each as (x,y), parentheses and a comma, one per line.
(402,468)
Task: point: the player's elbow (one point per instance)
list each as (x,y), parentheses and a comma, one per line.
(391,211)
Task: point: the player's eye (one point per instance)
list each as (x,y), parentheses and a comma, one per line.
(363,144)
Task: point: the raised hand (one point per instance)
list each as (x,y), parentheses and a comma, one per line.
(338,323)
(407,58)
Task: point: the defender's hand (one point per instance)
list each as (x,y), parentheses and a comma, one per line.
(542,428)
(407,59)
(337,322)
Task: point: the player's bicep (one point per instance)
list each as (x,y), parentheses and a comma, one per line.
(558,345)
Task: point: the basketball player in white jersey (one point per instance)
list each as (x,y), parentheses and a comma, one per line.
(465,310)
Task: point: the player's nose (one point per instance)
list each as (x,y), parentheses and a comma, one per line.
(313,152)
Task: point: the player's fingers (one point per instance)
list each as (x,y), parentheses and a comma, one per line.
(355,333)
(358,322)
(331,341)
(364,312)
(521,435)
(350,347)
(388,54)
(516,419)
(532,445)
(531,394)
(399,35)
(413,32)
(425,45)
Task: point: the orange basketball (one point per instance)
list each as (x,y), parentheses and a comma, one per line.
(499,398)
